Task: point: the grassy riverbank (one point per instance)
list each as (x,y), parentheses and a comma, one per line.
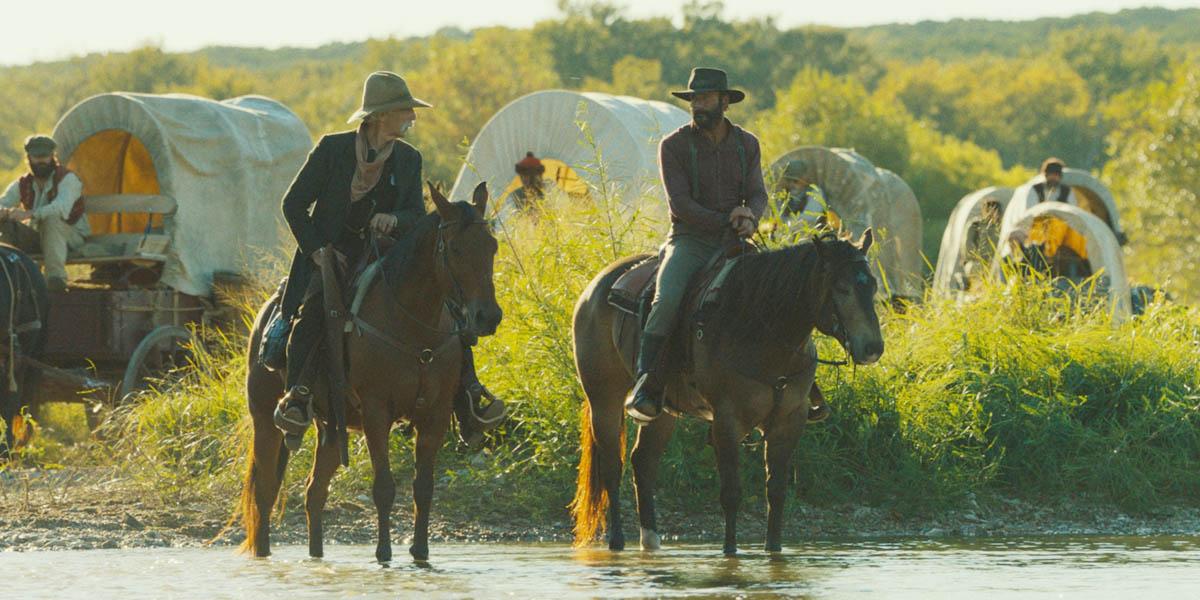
(1018,395)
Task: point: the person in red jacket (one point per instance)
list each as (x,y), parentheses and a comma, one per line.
(42,211)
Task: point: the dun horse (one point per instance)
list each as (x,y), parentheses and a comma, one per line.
(405,365)
(751,365)
(23,304)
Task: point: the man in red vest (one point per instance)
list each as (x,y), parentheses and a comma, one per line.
(48,198)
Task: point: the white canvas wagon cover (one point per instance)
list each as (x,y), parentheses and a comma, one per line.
(625,132)
(226,165)
(947,274)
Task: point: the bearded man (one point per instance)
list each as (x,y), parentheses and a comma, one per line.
(48,197)
(714,184)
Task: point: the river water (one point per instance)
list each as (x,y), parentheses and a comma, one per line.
(1052,567)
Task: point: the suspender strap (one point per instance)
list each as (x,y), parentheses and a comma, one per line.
(741,150)
(695,166)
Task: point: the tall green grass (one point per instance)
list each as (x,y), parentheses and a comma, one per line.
(1017,393)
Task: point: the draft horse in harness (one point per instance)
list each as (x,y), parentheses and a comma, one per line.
(23,304)
(748,362)
(404,365)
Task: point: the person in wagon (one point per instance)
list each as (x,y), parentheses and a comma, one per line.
(1053,189)
(533,187)
(803,205)
(49,198)
(979,244)
(714,185)
(354,184)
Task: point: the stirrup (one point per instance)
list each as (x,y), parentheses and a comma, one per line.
(292,415)
(818,413)
(489,417)
(635,403)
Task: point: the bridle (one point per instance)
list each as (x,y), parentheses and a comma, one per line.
(838,331)
(456,302)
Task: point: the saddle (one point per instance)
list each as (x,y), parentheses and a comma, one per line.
(633,292)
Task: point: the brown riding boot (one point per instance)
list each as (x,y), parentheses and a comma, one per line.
(645,402)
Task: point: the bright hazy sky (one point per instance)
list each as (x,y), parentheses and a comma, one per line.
(40,31)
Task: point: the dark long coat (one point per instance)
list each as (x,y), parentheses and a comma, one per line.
(317,204)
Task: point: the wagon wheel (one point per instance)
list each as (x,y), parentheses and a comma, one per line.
(164,351)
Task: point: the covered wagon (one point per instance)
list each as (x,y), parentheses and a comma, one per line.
(586,141)
(950,274)
(1077,246)
(860,195)
(179,191)
(1090,194)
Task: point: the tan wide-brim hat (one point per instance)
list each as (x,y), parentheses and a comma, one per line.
(385,90)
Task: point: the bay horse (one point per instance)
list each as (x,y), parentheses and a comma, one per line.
(24,301)
(751,365)
(404,365)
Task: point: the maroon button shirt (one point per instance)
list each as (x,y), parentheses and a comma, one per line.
(720,177)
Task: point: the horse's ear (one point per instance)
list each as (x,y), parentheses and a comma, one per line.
(439,201)
(864,242)
(819,245)
(480,199)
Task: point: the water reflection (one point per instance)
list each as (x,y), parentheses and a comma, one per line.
(924,569)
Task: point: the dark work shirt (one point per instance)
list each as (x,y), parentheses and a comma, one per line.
(720,177)
(352,239)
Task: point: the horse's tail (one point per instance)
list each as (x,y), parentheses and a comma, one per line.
(591,498)
(247,506)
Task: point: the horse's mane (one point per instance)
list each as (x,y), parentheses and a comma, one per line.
(399,263)
(769,295)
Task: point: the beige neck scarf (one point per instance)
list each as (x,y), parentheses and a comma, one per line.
(366,174)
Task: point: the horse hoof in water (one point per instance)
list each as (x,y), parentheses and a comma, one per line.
(730,550)
(775,548)
(383,555)
(650,539)
(419,551)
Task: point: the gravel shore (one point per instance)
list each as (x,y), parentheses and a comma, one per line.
(83,509)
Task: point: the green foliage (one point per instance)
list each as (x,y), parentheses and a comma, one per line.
(1155,172)
(1024,109)
(1111,60)
(960,39)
